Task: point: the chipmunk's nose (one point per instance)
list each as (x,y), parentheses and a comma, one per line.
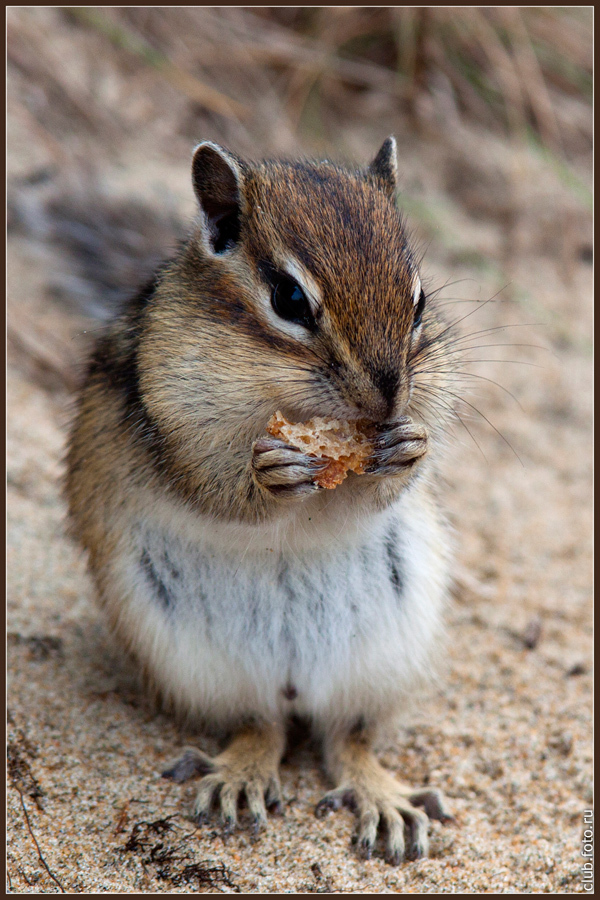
(378,393)
(387,382)
(376,390)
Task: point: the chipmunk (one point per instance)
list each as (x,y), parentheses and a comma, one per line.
(247,593)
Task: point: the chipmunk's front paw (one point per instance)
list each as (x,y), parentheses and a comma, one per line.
(283,470)
(248,769)
(397,447)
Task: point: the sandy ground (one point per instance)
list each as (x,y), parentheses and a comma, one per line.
(506,733)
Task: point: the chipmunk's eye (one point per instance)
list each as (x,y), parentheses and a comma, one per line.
(419,309)
(289,301)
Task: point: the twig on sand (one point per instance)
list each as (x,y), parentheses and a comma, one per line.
(34,839)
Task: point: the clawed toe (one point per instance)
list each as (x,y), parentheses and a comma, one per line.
(273,797)
(394,838)
(367,832)
(228,800)
(193,762)
(255,798)
(418,844)
(432,801)
(207,793)
(334,800)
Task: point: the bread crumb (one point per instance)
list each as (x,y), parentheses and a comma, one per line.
(344,444)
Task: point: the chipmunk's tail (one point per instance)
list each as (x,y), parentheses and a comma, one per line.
(96,249)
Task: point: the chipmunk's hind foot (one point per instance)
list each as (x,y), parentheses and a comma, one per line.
(247,769)
(383,806)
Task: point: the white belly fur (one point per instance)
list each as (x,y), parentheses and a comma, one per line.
(227,633)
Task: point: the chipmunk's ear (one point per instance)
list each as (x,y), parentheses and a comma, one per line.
(384,167)
(218,178)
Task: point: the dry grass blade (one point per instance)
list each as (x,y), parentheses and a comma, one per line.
(183,81)
(533,80)
(505,68)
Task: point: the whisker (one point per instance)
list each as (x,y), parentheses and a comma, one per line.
(459,375)
(516,362)
(483,346)
(491,424)
(456,414)
(471,334)
(424,404)
(434,293)
(441,353)
(479,306)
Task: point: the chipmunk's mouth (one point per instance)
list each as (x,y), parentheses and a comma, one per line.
(340,411)
(358,400)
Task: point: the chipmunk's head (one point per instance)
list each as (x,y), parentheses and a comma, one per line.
(305,273)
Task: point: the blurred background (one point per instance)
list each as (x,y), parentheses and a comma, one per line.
(492,111)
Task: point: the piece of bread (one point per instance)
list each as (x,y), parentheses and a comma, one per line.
(342,443)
